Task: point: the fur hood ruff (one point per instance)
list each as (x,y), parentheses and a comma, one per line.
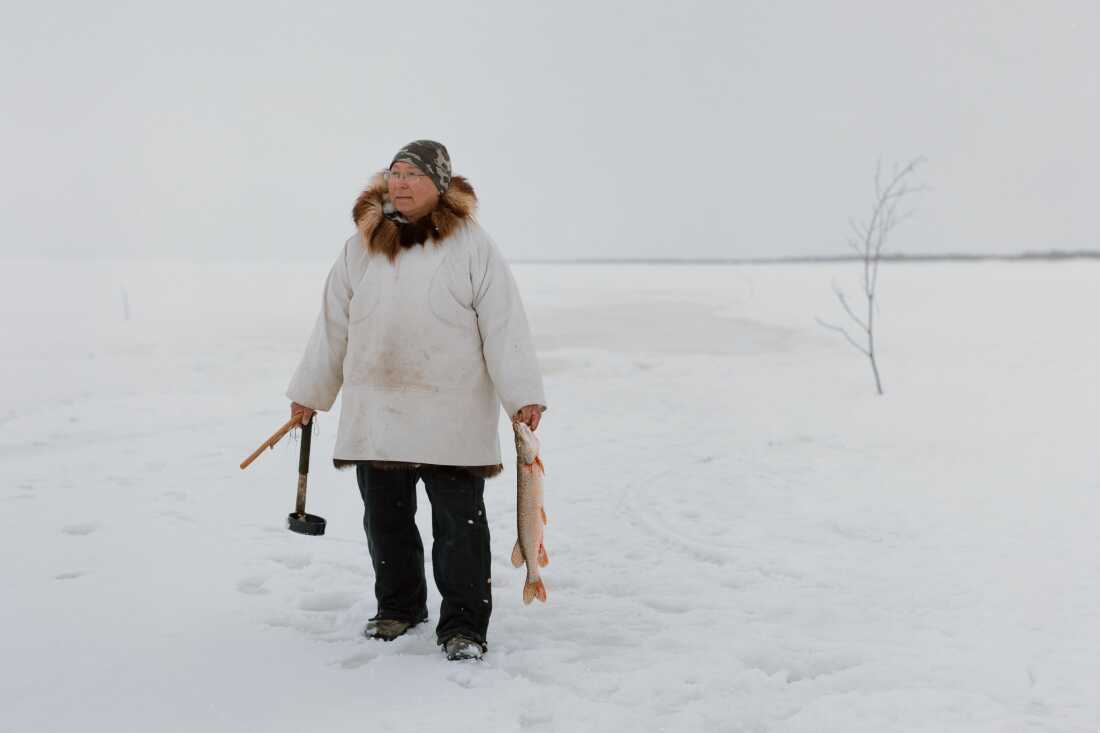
(455,207)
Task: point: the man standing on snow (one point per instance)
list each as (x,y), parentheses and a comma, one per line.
(423,328)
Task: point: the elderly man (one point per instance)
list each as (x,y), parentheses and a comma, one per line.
(423,328)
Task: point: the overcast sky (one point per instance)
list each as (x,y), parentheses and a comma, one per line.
(634,129)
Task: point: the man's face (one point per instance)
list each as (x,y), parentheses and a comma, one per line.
(412,192)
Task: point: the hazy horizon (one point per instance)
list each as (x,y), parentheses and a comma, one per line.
(590,131)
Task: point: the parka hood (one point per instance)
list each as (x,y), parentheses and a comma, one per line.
(456,206)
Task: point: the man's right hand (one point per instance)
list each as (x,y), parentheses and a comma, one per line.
(304,413)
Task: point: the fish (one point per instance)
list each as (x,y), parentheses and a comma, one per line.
(530,514)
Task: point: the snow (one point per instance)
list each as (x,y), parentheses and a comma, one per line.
(743,536)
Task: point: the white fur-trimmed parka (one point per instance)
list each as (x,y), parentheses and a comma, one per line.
(427,341)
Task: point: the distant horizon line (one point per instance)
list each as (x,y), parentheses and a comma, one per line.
(1051,255)
(1027,256)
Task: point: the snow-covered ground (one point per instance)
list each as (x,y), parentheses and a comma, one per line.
(744,537)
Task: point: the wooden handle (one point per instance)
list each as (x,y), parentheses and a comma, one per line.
(303,468)
(275,438)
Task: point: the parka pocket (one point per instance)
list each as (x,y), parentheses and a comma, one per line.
(365,297)
(362,305)
(450,295)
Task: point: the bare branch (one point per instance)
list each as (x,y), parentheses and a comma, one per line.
(860,234)
(848,336)
(868,240)
(901,174)
(905,216)
(844,302)
(855,246)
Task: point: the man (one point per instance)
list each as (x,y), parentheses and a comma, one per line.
(423,328)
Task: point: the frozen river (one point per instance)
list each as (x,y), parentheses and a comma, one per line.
(744,537)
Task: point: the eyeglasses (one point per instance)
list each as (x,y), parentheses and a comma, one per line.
(403,176)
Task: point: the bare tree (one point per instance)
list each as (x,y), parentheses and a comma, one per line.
(867,240)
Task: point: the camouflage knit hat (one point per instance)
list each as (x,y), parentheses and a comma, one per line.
(431,158)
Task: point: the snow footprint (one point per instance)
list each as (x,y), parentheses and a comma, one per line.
(293,562)
(80,530)
(355,661)
(253,586)
(321,615)
(536,720)
(329,601)
(662,605)
(798,667)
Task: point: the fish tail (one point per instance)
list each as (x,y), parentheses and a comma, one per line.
(534,589)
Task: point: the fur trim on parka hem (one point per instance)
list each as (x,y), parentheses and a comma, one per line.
(455,207)
(479,471)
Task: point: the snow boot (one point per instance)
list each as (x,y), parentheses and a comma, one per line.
(460,647)
(387,629)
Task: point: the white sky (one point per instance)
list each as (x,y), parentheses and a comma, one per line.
(634,129)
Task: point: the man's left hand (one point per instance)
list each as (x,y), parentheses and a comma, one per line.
(530,415)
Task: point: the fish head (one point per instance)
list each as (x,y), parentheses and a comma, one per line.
(527,445)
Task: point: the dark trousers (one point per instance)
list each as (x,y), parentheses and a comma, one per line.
(460,547)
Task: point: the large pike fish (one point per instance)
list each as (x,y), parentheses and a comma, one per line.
(530,516)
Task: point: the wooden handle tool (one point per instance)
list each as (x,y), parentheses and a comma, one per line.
(275,438)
